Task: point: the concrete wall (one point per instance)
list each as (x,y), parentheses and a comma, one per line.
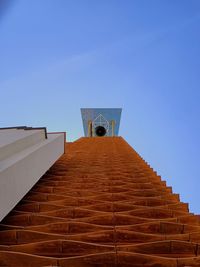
(23,161)
(13,141)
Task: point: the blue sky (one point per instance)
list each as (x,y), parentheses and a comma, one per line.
(57,56)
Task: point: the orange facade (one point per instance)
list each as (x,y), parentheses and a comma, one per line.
(100,205)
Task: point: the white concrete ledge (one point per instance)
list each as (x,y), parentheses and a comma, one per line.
(16,140)
(21,168)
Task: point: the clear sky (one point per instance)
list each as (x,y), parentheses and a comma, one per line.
(57,56)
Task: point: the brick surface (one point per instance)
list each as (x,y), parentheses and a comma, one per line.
(100,204)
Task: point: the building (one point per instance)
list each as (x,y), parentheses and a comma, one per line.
(100,204)
(26,153)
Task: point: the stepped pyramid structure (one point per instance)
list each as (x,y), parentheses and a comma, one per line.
(100,204)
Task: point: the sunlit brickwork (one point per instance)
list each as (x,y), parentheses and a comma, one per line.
(100,205)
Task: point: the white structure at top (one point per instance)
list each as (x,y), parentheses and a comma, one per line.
(25,155)
(101,121)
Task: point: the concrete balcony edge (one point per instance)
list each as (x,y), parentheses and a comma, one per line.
(19,172)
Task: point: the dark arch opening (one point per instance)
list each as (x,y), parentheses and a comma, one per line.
(100,131)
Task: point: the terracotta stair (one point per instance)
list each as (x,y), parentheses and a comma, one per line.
(100,205)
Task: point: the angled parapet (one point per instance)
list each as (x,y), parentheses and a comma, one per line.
(101,121)
(26,153)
